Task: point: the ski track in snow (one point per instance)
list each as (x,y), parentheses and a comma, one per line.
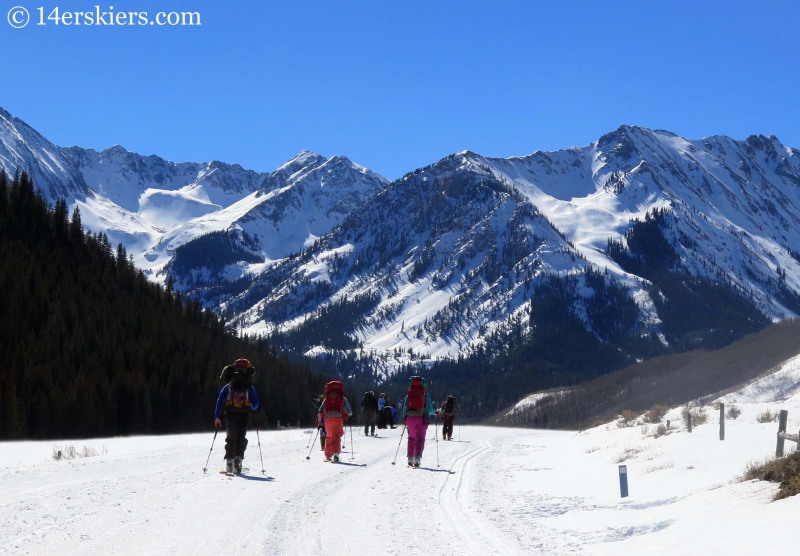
(495,491)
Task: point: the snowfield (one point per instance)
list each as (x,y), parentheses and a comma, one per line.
(495,491)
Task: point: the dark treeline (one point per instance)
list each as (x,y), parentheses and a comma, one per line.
(89,347)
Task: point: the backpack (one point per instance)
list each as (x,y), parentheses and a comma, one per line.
(449,405)
(239,377)
(370,403)
(416,394)
(334,397)
(240,366)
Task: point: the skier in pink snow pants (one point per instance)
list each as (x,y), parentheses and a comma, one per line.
(417,429)
(417,410)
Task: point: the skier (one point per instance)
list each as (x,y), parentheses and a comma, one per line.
(369,407)
(320,423)
(448,412)
(237,400)
(335,409)
(386,413)
(417,410)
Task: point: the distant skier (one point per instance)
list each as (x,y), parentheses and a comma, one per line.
(237,400)
(386,413)
(320,422)
(335,409)
(369,407)
(417,410)
(448,412)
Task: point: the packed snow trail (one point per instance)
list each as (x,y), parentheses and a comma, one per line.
(496,491)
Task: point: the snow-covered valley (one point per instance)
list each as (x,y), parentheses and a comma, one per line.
(494,491)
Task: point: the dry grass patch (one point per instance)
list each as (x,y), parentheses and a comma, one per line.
(785,471)
(630,452)
(592,449)
(659,466)
(69,451)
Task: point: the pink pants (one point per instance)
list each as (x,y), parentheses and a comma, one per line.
(334,429)
(417,428)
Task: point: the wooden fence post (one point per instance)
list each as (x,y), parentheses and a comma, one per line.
(689,419)
(781,428)
(722,421)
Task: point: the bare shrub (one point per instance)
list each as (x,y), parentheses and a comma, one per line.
(733,411)
(661,430)
(699,415)
(592,449)
(70,452)
(767,417)
(656,413)
(785,471)
(628,418)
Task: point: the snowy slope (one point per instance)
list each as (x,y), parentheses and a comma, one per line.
(23,148)
(494,491)
(304,199)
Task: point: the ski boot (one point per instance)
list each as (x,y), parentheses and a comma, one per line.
(411,460)
(335,458)
(237,465)
(229,466)
(417,462)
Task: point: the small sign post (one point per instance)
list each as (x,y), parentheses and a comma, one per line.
(722,421)
(623,481)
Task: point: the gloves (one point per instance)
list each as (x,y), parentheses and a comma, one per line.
(217,423)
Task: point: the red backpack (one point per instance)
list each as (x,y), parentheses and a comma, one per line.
(334,397)
(416,393)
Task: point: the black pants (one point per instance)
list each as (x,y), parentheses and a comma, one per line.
(369,421)
(447,429)
(236,439)
(385,418)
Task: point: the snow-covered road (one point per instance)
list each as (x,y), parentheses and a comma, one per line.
(495,491)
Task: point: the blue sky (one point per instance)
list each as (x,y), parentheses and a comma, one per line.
(398,85)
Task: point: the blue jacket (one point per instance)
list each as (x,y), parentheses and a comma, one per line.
(381,404)
(223,397)
(431,410)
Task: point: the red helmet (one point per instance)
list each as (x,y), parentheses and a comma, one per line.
(243,363)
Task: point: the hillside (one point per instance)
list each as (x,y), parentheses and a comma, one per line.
(671,380)
(88,346)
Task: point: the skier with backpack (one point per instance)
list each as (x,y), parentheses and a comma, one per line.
(417,410)
(236,401)
(448,412)
(335,409)
(369,407)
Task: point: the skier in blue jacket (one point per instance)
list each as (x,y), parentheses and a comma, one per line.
(237,400)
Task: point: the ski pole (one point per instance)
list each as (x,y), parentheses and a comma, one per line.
(352,446)
(398,444)
(209,452)
(313,444)
(436,424)
(259,447)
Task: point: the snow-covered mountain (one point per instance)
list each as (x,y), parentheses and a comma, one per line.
(448,257)
(23,148)
(452,252)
